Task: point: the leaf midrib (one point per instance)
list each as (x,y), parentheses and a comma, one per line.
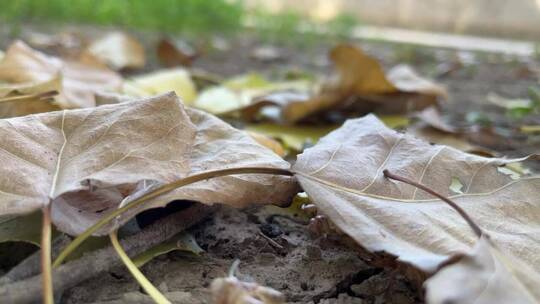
(59,161)
(357,192)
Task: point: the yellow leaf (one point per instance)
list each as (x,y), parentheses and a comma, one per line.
(162,81)
(268,142)
(293,137)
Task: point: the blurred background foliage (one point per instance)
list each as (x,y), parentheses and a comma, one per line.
(197,17)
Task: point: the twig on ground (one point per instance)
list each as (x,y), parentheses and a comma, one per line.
(272,242)
(91,264)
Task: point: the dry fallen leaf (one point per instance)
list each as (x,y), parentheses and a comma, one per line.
(170,56)
(268,142)
(406,80)
(359,73)
(455,140)
(294,138)
(230,290)
(28,98)
(119,50)
(433,118)
(293,105)
(343,176)
(215,146)
(162,81)
(433,128)
(242,93)
(488,275)
(362,78)
(80,81)
(361,85)
(67,44)
(91,158)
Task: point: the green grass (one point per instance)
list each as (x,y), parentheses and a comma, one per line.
(196,16)
(193,17)
(284,27)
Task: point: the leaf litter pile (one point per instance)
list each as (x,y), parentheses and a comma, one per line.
(348,188)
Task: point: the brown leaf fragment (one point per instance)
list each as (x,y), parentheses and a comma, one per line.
(433,118)
(405,79)
(79,81)
(66,44)
(291,105)
(358,72)
(119,51)
(170,55)
(487,275)
(342,175)
(433,128)
(230,290)
(455,140)
(28,98)
(268,142)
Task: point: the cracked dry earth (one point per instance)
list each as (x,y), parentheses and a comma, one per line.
(306,268)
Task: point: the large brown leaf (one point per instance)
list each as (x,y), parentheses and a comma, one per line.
(343,175)
(96,155)
(80,81)
(486,276)
(216,146)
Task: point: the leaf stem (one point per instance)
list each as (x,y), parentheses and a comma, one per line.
(152,291)
(38,96)
(477,230)
(162,190)
(46,269)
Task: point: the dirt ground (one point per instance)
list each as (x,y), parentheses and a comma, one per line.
(305,267)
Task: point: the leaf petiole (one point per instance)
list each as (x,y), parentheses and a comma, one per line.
(152,291)
(46,269)
(38,96)
(477,230)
